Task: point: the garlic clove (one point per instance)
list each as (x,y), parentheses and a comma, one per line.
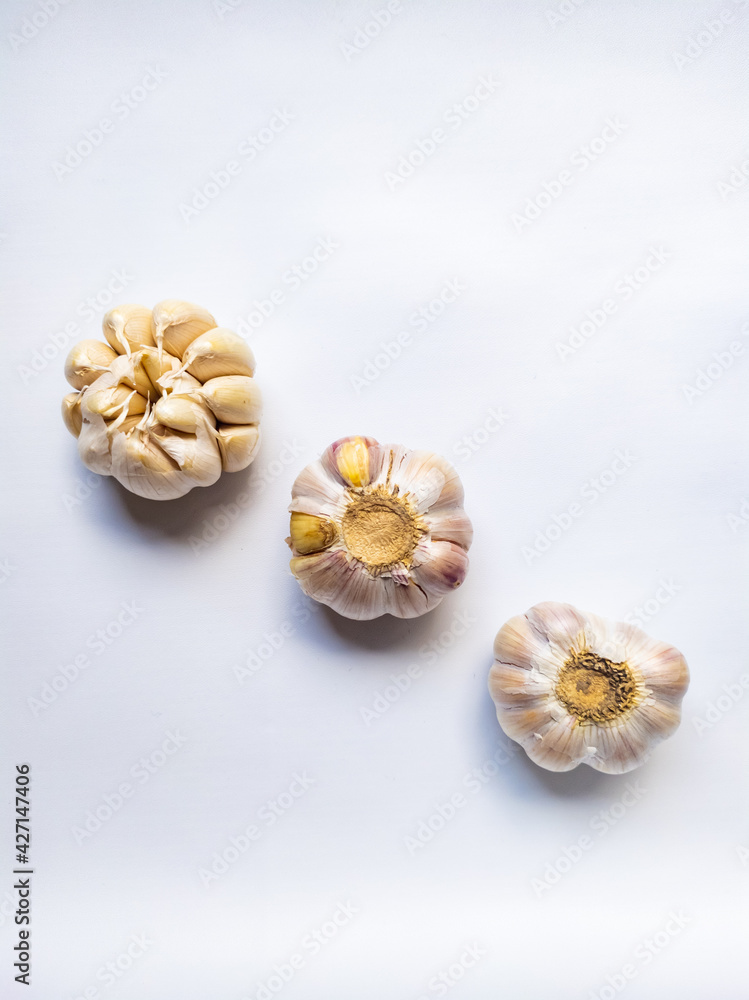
(449,524)
(178,323)
(182,413)
(518,644)
(238,444)
(311,534)
(71,412)
(135,376)
(331,577)
(316,492)
(86,362)
(418,474)
(141,465)
(409,601)
(196,455)
(110,402)
(235,399)
(348,460)
(218,352)
(451,494)
(181,383)
(439,567)
(124,425)
(156,366)
(129,327)
(94,445)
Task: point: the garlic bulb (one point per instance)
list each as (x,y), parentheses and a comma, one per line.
(572,688)
(378,529)
(142,413)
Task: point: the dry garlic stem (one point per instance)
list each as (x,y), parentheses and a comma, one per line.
(572,688)
(142,413)
(378,529)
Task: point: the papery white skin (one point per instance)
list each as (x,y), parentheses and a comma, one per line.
(439,562)
(144,419)
(530,651)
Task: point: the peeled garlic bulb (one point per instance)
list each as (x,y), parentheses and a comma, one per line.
(87,361)
(378,529)
(572,688)
(143,418)
(129,327)
(218,352)
(235,399)
(177,324)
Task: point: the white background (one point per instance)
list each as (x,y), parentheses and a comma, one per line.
(667,530)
